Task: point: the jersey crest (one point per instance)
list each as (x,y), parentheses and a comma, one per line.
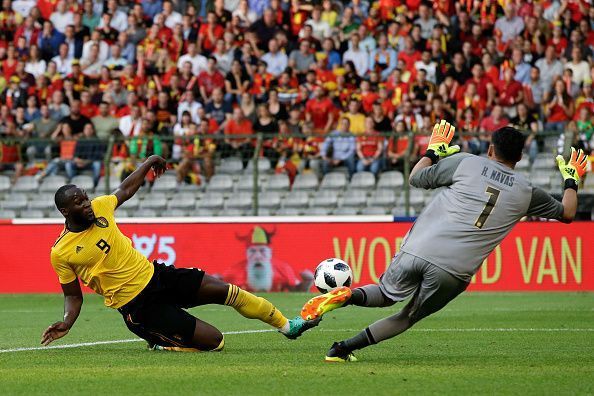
(101,222)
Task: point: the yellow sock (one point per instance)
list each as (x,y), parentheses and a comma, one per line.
(254,307)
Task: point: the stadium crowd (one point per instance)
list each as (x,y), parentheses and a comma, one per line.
(160,75)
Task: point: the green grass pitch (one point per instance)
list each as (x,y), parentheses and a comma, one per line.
(482,343)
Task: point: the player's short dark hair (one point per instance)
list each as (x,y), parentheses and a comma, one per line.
(60,198)
(508,143)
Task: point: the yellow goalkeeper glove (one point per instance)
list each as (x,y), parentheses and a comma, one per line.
(574,168)
(439,144)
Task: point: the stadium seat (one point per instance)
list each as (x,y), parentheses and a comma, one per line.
(120,213)
(401,212)
(42,201)
(544,162)
(114,182)
(7,214)
(416,198)
(4,184)
(373,210)
(156,201)
(54,213)
(278,183)
(262,212)
(354,198)
(288,212)
(384,198)
(184,200)
(230,166)
(524,163)
(246,184)
(305,182)
(166,183)
(390,180)
(334,181)
(263,165)
(325,199)
(296,199)
(192,188)
(220,183)
(232,212)
(316,211)
(33,214)
(84,182)
(15,201)
(345,211)
(541,180)
(269,200)
(25,184)
(362,181)
(241,201)
(52,183)
(144,213)
(132,203)
(174,213)
(212,201)
(202,212)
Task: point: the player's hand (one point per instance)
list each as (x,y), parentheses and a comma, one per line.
(575,167)
(54,332)
(441,138)
(159,164)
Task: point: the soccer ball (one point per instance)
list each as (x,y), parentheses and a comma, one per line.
(332,273)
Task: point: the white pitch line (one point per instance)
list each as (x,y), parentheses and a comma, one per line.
(461,330)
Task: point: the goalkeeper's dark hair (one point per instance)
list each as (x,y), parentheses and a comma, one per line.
(508,143)
(60,198)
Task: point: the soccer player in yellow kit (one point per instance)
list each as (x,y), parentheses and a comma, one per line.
(151,297)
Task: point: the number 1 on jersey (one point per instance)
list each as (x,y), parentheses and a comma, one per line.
(494,195)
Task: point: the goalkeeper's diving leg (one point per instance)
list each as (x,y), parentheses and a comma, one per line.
(431,288)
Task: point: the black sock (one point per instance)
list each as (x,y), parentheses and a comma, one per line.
(359,297)
(361,340)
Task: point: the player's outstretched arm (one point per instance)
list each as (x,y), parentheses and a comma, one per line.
(571,171)
(439,147)
(73,300)
(133,182)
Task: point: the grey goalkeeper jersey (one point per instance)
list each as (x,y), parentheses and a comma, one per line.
(481,203)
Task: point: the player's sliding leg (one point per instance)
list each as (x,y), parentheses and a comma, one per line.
(436,290)
(365,296)
(215,291)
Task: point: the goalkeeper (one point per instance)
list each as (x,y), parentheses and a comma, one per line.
(482,200)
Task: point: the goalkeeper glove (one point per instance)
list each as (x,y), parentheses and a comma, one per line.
(573,169)
(439,144)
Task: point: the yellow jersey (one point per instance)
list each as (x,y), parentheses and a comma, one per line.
(102,257)
(356,121)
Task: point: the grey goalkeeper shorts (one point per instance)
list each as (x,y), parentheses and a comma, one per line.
(410,275)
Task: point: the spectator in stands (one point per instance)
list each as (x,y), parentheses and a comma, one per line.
(89,154)
(339,148)
(559,109)
(509,26)
(550,68)
(355,117)
(358,56)
(237,81)
(104,123)
(397,147)
(210,79)
(370,147)
(276,60)
(75,121)
(579,67)
(320,111)
(131,124)
(413,120)
(490,124)
(527,122)
(509,92)
(219,109)
(239,145)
